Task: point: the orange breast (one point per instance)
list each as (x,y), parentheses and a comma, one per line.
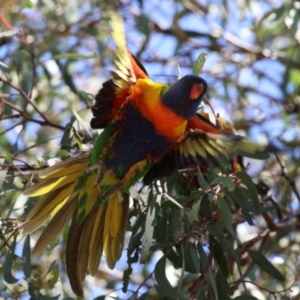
(145,95)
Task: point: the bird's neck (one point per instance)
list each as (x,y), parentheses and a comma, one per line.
(146,96)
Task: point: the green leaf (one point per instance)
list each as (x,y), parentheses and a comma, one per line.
(201,295)
(87,98)
(99,297)
(201,180)
(2,173)
(294,28)
(27,4)
(8,265)
(265,265)
(228,248)
(259,154)
(82,123)
(161,231)
(220,258)
(74,56)
(23,61)
(226,214)
(67,77)
(223,286)
(143,24)
(54,274)
(247,181)
(67,138)
(163,286)
(130,260)
(148,235)
(245,297)
(225,181)
(26,255)
(8,156)
(3,67)
(216,230)
(199,63)
(22,57)
(212,282)
(52,266)
(184,257)
(203,258)
(206,205)
(241,199)
(175,258)
(192,257)
(137,231)
(176,224)
(193,213)
(63,153)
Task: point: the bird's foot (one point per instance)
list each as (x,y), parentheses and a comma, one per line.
(100,167)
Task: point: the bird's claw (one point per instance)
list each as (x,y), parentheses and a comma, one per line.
(100,171)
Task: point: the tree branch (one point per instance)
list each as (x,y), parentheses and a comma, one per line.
(46,121)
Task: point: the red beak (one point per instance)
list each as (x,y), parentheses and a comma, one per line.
(196,91)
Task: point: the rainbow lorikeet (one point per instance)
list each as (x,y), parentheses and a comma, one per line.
(142,122)
(92,189)
(208,142)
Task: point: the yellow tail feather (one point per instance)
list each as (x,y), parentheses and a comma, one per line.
(68,166)
(96,244)
(48,185)
(49,202)
(55,226)
(74,237)
(84,245)
(89,192)
(114,228)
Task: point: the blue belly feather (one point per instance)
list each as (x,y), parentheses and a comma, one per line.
(135,140)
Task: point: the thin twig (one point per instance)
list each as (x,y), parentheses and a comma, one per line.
(25,96)
(287,177)
(291,223)
(288,289)
(10,128)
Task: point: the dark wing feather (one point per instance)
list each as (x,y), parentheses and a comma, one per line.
(115,91)
(206,145)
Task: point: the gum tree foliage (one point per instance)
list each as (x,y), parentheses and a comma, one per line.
(235,238)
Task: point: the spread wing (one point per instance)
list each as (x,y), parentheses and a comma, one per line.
(115,91)
(205,145)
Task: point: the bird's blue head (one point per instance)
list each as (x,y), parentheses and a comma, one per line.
(185,96)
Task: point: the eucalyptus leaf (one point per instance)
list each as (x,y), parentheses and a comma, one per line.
(143,24)
(8,265)
(74,56)
(26,4)
(245,297)
(223,286)
(148,235)
(226,214)
(199,63)
(26,255)
(203,258)
(246,180)
(241,199)
(225,181)
(163,286)
(220,259)
(265,265)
